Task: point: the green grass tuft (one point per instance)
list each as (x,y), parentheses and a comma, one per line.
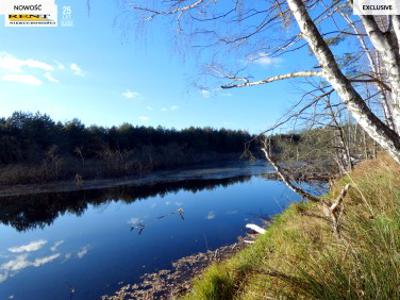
(300,258)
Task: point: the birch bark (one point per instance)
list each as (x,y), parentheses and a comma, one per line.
(380,132)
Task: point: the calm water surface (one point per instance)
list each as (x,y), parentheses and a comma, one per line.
(87,244)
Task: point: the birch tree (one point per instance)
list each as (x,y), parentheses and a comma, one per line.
(250,28)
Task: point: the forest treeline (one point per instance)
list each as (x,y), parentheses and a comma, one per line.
(36,149)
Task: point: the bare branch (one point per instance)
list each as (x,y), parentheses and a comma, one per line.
(286,179)
(276,78)
(370,122)
(178,10)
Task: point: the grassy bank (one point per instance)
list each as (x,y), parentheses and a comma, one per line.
(300,258)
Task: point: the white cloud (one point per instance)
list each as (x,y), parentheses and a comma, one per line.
(32,246)
(214,92)
(56,245)
(32,71)
(76,70)
(13,64)
(50,77)
(60,66)
(83,251)
(22,78)
(128,94)
(264,59)
(222,92)
(205,93)
(3,277)
(149,108)
(144,118)
(171,108)
(211,215)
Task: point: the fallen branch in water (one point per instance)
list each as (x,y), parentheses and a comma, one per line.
(285,178)
(332,210)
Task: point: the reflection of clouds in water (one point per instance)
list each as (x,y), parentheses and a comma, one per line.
(167,202)
(56,245)
(177,203)
(3,277)
(67,256)
(211,215)
(83,251)
(232,212)
(32,246)
(134,221)
(44,260)
(153,205)
(21,262)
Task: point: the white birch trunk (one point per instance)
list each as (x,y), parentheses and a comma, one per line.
(389,50)
(380,132)
(375,67)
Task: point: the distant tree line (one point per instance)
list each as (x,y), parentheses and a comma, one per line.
(35,148)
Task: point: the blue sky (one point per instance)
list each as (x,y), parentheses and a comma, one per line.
(105,74)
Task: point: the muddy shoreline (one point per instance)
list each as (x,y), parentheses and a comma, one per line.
(174,282)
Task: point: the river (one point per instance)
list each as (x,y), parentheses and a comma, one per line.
(81,245)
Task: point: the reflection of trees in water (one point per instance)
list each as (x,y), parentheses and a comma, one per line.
(29,212)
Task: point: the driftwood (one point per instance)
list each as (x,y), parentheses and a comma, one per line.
(332,210)
(255,228)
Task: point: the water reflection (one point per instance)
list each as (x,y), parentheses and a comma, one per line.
(29,212)
(84,245)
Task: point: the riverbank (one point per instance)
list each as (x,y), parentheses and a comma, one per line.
(176,281)
(300,258)
(207,172)
(219,171)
